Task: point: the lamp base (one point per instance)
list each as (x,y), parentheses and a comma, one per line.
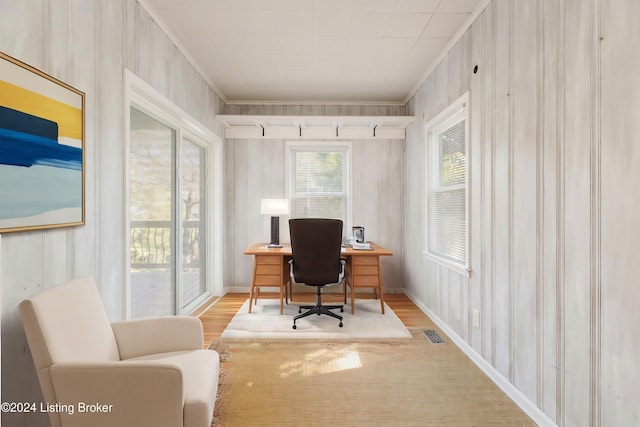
(275,232)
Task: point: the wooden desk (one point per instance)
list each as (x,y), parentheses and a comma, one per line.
(271,269)
(363,271)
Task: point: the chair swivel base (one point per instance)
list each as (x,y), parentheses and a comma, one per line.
(324,309)
(318,309)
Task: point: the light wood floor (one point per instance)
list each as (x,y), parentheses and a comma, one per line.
(217,316)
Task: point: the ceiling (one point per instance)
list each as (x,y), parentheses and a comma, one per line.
(314,51)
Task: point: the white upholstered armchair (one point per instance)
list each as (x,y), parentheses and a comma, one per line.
(151,372)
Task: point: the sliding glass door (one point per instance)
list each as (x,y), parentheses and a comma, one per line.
(193,215)
(167,218)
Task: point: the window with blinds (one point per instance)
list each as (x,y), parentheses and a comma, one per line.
(319,182)
(447,229)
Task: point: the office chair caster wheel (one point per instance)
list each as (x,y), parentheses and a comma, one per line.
(299,310)
(342,310)
(340,324)
(294,326)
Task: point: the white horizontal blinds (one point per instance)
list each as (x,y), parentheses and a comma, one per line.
(319,184)
(453,163)
(447,207)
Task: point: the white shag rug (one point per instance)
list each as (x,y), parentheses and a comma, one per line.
(266,322)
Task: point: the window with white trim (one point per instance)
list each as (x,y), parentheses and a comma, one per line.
(319,184)
(447,172)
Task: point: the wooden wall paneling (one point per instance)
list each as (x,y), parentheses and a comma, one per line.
(577,220)
(130,45)
(398,225)
(144,30)
(27,250)
(502,197)
(525,125)
(173,62)
(393,227)
(455,72)
(619,348)
(57,45)
(83,23)
(366,161)
(439,89)
(231,250)
(487,71)
(414,267)
(256,170)
(241,192)
(111,272)
(358,198)
(22,29)
(384,190)
(273,182)
(549,229)
(477,282)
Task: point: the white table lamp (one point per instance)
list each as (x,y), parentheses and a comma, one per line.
(274,207)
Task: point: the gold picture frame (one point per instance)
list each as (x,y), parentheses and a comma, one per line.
(42,147)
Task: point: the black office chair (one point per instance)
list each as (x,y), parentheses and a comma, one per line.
(316,246)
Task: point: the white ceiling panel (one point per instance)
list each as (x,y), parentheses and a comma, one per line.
(394,46)
(369,24)
(407,24)
(419,6)
(323,51)
(332,23)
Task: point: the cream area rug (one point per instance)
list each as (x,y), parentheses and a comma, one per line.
(266,322)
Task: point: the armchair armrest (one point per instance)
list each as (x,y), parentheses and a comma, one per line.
(126,394)
(158,335)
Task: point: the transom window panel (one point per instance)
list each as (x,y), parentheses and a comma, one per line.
(319,182)
(447,210)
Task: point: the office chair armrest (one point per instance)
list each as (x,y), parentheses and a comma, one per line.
(343,262)
(291,276)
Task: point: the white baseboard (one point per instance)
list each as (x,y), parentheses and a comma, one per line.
(505,385)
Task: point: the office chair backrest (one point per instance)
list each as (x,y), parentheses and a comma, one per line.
(316,245)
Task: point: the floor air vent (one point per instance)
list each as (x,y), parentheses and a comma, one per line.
(433,336)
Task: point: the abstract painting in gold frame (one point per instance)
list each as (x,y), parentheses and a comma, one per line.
(41,150)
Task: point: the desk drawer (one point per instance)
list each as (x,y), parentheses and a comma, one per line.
(364,260)
(365,269)
(267,259)
(268,269)
(366,281)
(268,280)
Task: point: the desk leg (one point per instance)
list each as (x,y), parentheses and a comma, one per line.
(253,282)
(282,283)
(380,287)
(353,298)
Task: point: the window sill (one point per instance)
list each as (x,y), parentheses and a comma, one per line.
(458,268)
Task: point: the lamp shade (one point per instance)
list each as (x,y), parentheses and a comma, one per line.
(274,206)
